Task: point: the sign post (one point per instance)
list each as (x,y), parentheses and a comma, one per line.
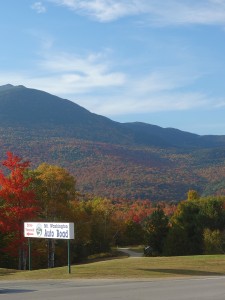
(29,253)
(63,231)
(69,264)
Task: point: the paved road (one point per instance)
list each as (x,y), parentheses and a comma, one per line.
(176,289)
(130,252)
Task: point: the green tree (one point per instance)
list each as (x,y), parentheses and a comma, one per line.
(133,234)
(156,228)
(176,242)
(213,213)
(214,242)
(100,212)
(188,221)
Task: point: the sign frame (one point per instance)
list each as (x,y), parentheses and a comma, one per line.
(49,230)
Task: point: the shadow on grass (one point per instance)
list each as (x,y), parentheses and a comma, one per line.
(184,272)
(6,272)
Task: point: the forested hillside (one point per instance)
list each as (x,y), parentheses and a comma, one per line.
(107,158)
(193,226)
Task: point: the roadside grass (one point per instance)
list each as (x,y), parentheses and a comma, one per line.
(137,268)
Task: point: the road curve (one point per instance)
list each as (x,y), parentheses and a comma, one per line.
(130,252)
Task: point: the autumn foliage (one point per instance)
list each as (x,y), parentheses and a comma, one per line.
(49,193)
(18,201)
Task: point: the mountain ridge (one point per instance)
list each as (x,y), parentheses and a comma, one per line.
(109,159)
(32,108)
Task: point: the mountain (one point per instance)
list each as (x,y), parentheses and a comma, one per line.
(108,158)
(34,109)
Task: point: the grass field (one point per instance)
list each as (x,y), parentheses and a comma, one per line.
(127,268)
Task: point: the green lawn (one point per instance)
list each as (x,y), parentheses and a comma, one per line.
(146,267)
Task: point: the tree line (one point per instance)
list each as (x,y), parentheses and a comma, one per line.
(48,193)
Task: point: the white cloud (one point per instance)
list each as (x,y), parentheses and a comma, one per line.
(159,12)
(165,80)
(90,81)
(38,7)
(204,12)
(80,74)
(45,40)
(104,10)
(121,96)
(220,103)
(65,74)
(153,93)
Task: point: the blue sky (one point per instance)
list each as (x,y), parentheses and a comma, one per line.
(154,61)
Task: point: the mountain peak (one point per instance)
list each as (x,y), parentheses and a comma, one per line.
(9,86)
(6,87)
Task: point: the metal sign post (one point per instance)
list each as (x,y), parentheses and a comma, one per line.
(63,231)
(69,264)
(29,253)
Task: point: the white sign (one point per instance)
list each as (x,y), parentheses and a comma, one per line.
(64,231)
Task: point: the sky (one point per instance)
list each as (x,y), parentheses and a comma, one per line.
(153,61)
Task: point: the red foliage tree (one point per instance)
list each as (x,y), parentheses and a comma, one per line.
(18,204)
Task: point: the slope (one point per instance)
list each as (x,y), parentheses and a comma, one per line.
(109,159)
(34,109)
